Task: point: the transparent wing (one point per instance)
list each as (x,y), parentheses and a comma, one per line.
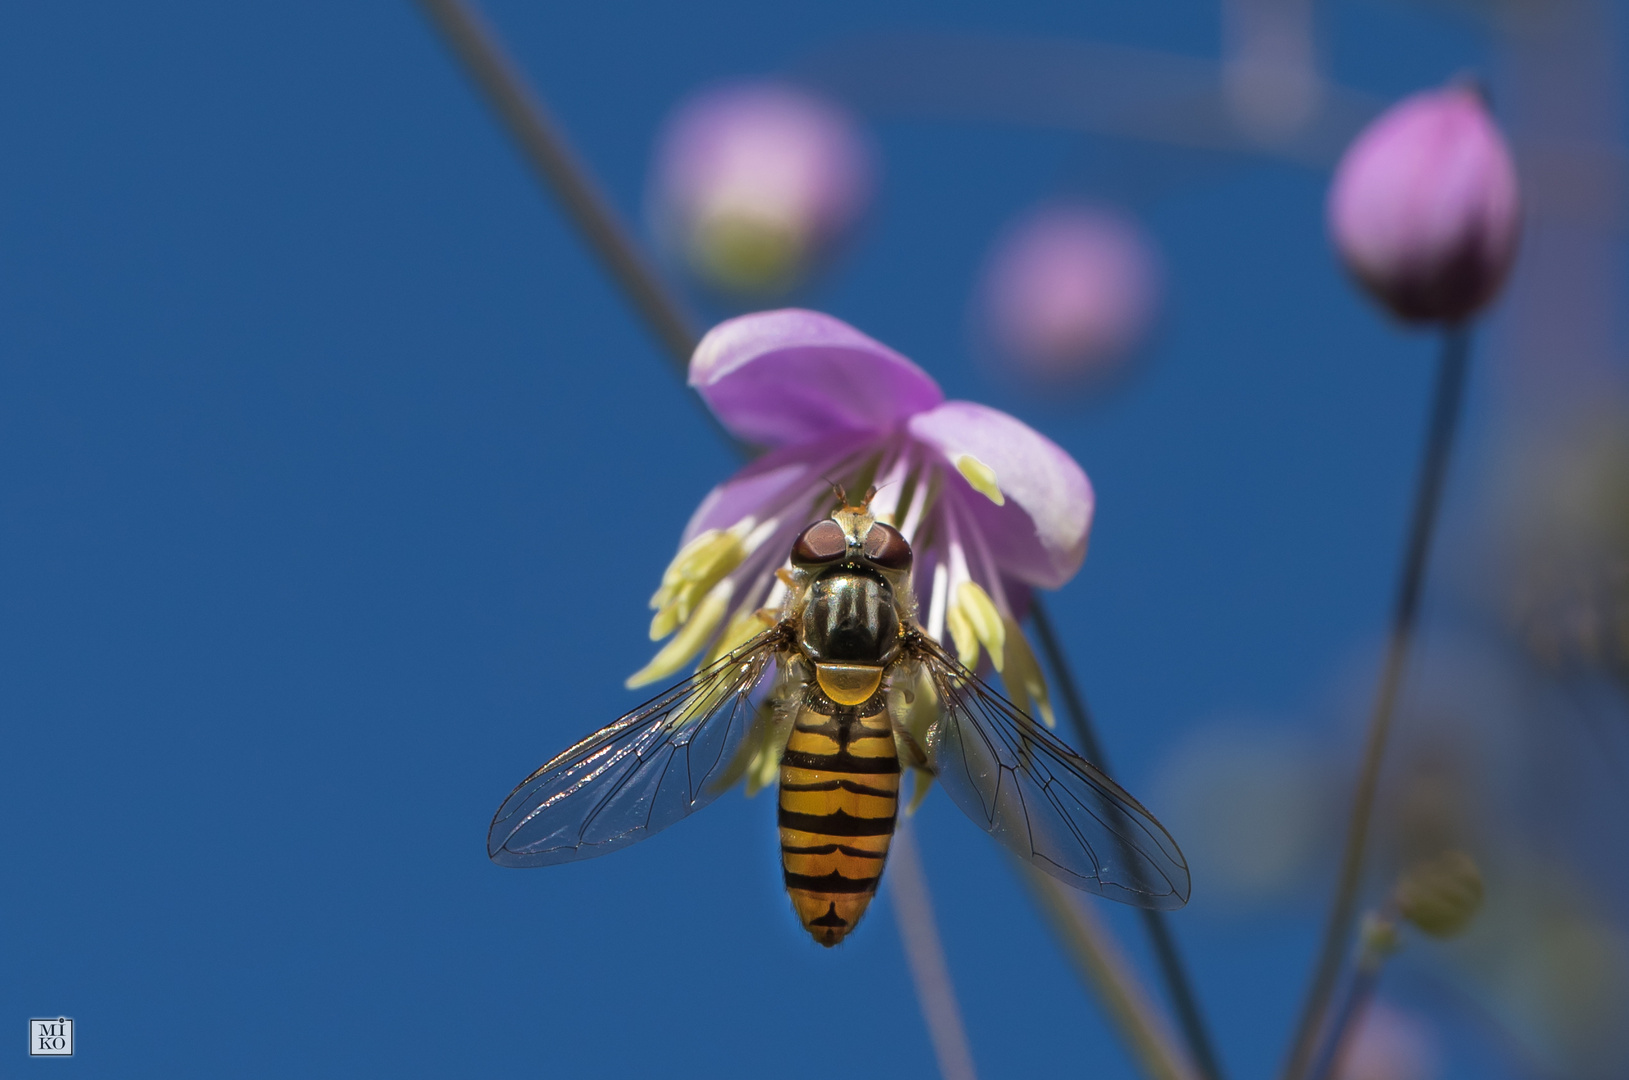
(635,777)
(1042,800)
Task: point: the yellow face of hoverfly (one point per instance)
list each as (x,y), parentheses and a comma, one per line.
(857,693)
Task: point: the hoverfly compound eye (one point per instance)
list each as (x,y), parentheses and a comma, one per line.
(885,546)
(822,542)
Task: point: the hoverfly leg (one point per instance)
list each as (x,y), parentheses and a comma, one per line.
(911,750)
(919,758)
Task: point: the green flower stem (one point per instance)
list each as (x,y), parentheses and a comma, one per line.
(1445,409)
(546,148)
(1172,970)
(1358,995)
(550,154)
(925,955)
(1373,950)
(1109,975)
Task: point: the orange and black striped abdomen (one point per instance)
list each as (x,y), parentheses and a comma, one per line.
(839,798)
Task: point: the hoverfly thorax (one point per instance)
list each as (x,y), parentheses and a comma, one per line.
(855,568)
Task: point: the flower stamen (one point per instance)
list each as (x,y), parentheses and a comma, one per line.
(1025,683)
(699,565)
(741,629)
(981,477)
(980,614)
(690,638)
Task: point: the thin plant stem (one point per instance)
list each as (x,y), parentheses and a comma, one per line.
(1108,974)
(566,175)
(1446,405)
(546,148)
(925,956)
(1359,992)
(1173,972)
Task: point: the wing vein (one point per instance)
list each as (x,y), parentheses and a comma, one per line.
(1047,804)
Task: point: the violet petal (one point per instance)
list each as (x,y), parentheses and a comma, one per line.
(779,378)
(775,484)
(1039,535)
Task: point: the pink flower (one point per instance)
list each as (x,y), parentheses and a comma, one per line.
(753,183)
(1069,291)
(1424,208)
(991,507)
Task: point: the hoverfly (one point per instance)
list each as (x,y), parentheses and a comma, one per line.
(851,660)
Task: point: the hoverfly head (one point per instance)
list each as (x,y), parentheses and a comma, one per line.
(852,534)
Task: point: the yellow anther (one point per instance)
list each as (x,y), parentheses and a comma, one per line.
(689,640)
(757,759)
(699,565)
(674,575)
(981,614)
(914,707)
(921,782)
(982,477)
(664,622)
(961,632)
(765,766)
(741,629)
(1023,679)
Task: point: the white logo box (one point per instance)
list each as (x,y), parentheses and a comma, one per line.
(51,1037)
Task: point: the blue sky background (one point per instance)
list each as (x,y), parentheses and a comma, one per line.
(335,476)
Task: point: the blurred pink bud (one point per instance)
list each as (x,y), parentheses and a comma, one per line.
(1069,291)
(753,182)
(1388,1044)
(1424,208)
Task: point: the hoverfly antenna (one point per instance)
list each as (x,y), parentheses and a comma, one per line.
(837,490)
(870,493)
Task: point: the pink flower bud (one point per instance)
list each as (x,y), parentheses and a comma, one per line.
(1424,208)
(754,182)
(1389,1044)
(1068,292)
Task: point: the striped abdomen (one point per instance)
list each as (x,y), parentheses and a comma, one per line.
(839,797)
